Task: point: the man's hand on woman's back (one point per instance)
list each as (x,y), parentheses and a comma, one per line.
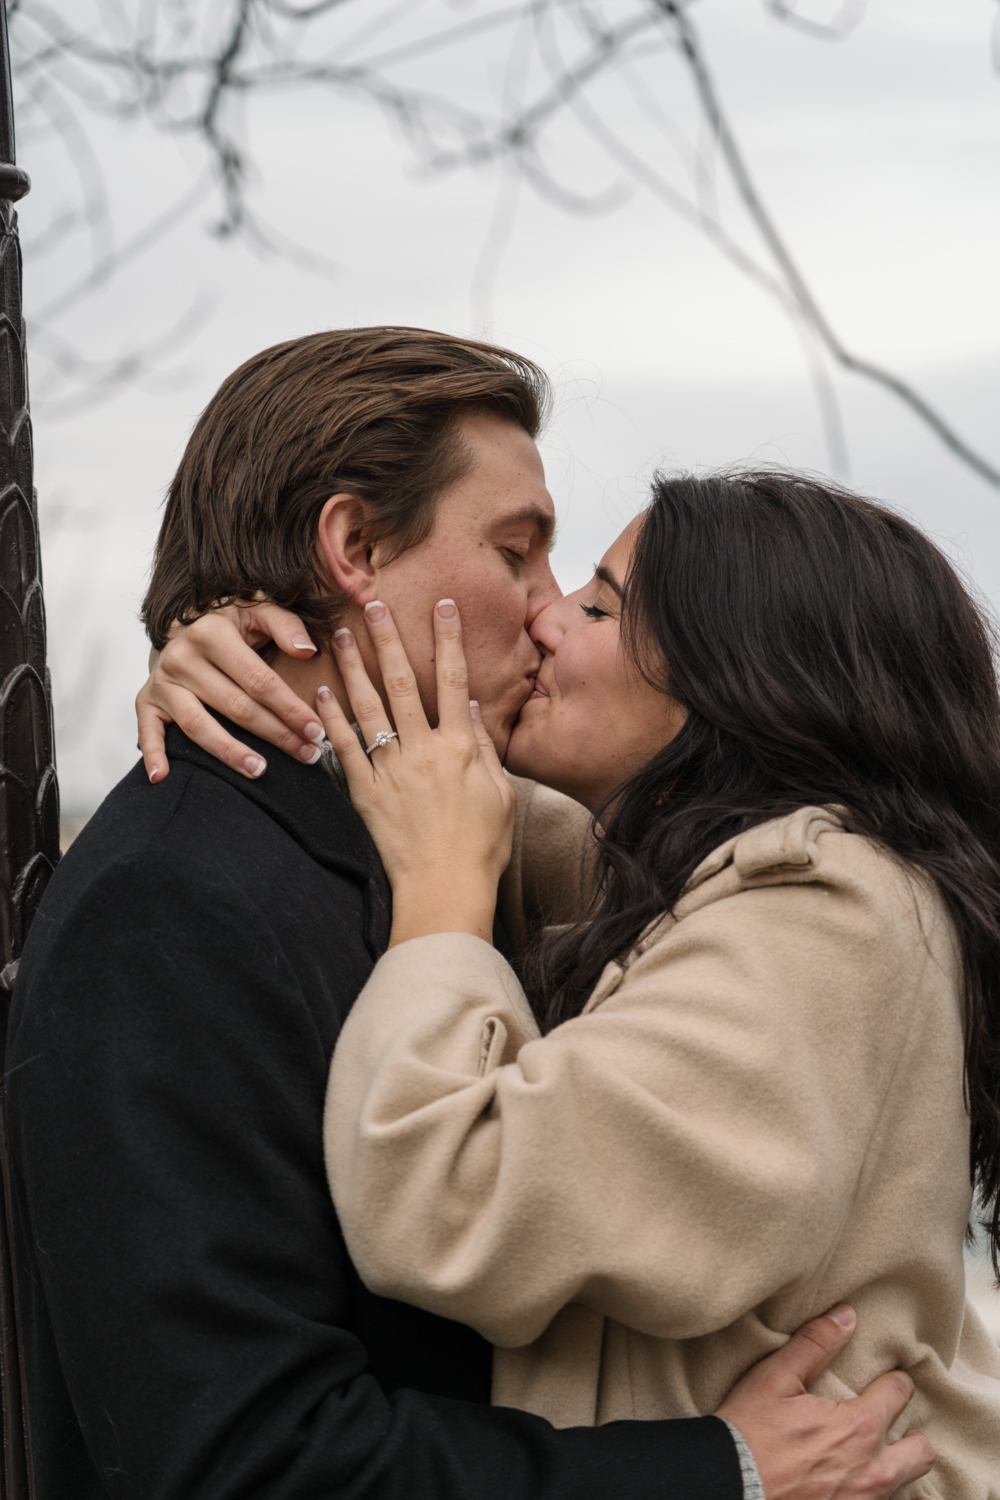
(808,1448)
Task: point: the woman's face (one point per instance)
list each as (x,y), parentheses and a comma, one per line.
(592,719)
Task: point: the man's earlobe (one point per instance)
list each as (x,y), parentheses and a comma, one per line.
(344,549)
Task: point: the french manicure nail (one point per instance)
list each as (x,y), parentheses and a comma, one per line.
(310,754)
(302,644)
(254,766)
(154,773)
(475,711)
(446,609)
(313,731)
(375,610)
(843,1316)
(342,639)
(323,695)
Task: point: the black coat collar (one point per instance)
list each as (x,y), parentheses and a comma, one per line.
(306,803)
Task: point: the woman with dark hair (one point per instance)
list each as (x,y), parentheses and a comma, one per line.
(753,1068)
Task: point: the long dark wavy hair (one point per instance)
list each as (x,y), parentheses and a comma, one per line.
(826,652)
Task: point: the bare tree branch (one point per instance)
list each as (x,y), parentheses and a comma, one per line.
(847,16)
(793,276)
(185,66)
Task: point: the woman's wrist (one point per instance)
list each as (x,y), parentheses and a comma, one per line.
(443,901)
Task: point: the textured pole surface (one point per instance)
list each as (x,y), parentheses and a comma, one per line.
(29,799)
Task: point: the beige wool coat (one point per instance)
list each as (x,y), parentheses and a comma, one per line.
(760,1114)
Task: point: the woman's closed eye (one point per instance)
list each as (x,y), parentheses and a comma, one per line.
(593,613)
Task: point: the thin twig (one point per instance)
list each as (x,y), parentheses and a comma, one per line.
(796,281)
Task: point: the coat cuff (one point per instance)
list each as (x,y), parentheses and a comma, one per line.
(753,1486)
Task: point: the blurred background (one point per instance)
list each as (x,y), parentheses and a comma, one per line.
(731,230)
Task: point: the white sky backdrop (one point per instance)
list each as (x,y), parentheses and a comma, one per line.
(879,156)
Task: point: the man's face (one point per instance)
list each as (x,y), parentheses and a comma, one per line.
(489,551)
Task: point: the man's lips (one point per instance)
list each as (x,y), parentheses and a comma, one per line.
(538,690)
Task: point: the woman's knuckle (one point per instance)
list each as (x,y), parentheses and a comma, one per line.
(400,683)
(168,657)
(257,680)
(238,706)
(188,719)
(201,629)
(181,654)
(368,705)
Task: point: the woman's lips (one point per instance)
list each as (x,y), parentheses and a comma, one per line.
(537,691)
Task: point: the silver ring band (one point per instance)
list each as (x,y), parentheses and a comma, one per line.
(384,737)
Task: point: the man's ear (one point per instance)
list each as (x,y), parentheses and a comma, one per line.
(343,551)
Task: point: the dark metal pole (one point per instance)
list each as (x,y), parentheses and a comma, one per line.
(29,797)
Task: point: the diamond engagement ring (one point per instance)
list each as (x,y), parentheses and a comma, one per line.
(383,737)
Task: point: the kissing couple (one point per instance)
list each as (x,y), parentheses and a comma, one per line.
(473,1102)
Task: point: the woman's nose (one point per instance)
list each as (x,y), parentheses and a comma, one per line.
(549,626)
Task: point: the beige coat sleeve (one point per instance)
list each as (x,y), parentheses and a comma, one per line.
(551,866)
(672,1157)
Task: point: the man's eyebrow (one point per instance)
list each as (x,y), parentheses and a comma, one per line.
(608,578)
(531,515)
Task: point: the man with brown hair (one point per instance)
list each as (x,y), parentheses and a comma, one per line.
(193,1325)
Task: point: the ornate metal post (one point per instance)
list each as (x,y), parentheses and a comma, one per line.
(29,799)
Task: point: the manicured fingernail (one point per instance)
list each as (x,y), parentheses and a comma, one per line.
(375,610)
(843,1316)
(314,731)
(323,695)
(475,711)
(154,773)
(302,644)
(310,754)
(254,766)
(446,609)
(342,639)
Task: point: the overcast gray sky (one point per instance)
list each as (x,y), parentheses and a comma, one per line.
(879,156)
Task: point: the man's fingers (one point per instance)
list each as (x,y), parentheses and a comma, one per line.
(282,627)
(909,1459)
(792,1368)
(152,744)
(884,1401)
(397,675)
(450,670)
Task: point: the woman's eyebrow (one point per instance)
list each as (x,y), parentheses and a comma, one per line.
(602,573)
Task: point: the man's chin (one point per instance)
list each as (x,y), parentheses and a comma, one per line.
(499,731)
(503,730)
(516,760)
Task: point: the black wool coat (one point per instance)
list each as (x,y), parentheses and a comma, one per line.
(192,1324)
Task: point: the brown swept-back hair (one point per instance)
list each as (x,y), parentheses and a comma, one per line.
(826,653)
(371,411)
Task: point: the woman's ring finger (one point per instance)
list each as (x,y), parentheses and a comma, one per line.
(383,738)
